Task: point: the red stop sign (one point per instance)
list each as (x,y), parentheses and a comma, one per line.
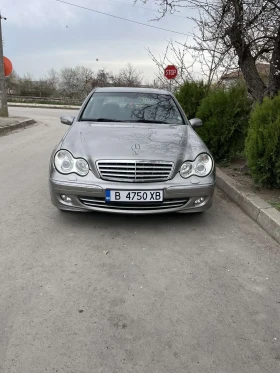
(170,72)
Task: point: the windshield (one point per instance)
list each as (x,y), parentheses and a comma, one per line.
(132,107)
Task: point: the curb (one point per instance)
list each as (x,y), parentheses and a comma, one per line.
(259,210)
(15,126)
(44,106)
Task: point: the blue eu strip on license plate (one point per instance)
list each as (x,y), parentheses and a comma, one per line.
(108,196)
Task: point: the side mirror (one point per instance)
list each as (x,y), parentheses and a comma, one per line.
(67,120)
(195,122)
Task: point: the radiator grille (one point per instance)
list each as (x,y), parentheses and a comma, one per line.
(135,171)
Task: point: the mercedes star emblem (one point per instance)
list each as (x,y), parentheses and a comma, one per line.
(135,148)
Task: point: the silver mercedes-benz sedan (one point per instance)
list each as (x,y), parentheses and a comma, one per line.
(131,150)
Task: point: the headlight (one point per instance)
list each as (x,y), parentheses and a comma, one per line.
(82,166)
(186,169)
(66,164)
(201,166)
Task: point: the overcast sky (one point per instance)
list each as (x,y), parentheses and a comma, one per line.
(43,34)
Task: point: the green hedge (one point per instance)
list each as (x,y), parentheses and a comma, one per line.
(263,143)
(190,96)
(225,116)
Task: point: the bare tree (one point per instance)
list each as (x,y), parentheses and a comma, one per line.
(53,80)
(102,79)
(75,82)
(188,58)
(72,82)
(173,54)
(42,88)
(245,30)
(13,83)
(26,86)
(129,76)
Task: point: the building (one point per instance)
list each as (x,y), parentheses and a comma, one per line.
(234,76)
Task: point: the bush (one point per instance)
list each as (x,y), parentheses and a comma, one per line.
(263,143)
(225,116)
(190,96)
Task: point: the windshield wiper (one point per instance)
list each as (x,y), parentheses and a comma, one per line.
(148,121)
(100,120)
(123,121)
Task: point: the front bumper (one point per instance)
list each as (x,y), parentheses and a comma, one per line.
(88,194)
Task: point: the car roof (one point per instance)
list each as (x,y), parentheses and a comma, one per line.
(133,90)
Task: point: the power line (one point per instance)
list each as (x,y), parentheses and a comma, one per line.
(144,7)
(123,19)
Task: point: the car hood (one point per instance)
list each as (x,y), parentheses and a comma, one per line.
(130,141)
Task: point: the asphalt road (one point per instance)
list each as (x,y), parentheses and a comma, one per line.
(84,293)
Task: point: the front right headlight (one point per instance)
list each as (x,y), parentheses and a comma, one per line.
(65,163)
(201,166)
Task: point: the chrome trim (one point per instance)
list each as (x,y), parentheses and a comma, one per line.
(135,171)
(126,206)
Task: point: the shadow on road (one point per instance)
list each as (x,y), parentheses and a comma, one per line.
(132,222)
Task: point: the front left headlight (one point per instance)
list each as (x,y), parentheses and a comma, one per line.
(201,166)
(65,163)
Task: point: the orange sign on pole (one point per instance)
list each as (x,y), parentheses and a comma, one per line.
(8,67)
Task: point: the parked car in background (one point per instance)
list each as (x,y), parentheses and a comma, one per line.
(131,150)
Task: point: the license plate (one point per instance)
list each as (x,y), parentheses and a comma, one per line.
(134,196)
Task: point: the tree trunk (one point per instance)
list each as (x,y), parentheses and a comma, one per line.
(246,61)
(274,76)
(252,77)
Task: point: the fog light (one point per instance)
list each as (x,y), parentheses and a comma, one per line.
(66,198)
(199,200)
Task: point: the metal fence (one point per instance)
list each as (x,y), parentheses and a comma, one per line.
(44,100)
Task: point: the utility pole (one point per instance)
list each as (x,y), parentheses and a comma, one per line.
(3,89)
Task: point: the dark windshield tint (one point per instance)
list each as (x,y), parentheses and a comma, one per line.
(132,107)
